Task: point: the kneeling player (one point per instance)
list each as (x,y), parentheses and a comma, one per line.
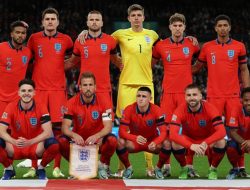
(239,144)
(143,128)
(31,132)
(197,125)
(92,124)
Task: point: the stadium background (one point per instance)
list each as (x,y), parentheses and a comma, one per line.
(199,16)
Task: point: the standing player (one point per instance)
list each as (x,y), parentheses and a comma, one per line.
(224,58)
(31,132)
(136,49)
(92,123)
(176,53)
(143,129)
(94,56)
(197,125)
(14,60)
(239,144)
(49,48)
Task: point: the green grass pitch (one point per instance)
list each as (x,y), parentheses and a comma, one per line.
(138,162)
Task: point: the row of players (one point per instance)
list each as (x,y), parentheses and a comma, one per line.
(196,126)
(223,57)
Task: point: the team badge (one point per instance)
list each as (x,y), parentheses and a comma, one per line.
(83,155)
(95,114)
(230,53)
(150,122)
(33,121)
(58,47)
(147,39)
(104,47)
(202,123)
(24,59)
(185,50)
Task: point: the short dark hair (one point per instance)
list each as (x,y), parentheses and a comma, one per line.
(50,10)
(86,75)
(17,23)
(145,89)
(27,81)
(177,17)
(222,17)
(135,7)
(244,91)
(193,86)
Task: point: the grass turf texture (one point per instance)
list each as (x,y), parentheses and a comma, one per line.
(138,162)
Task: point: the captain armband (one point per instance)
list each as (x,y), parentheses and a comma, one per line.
(106,116)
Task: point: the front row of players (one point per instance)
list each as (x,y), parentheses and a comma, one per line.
(196,126)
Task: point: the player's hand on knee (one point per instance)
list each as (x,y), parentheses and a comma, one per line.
(141,140)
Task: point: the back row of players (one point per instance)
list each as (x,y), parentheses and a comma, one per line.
(223,58)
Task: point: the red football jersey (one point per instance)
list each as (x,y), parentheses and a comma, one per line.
(87,118)
(25,123)
(95,57)
(223,65)
(13,66)
(200,125)
(177,61)
(144,124)
(242,122)
(49,52)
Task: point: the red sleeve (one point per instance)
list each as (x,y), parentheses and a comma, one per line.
(69,44)
(160,122)
(217,123)
(202,56)
(68,113)
(124,125)
(76,50)
(112,43)
(176,134)
(156,53)
(242,55)
(7,115)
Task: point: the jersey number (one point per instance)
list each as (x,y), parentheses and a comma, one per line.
(40,53)
(8,64)
(140,49)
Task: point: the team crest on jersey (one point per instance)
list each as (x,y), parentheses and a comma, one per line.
(79,119)
(150,122)
(18,125)
(230,53)
(185,50)
(95,114)
(104,47)
(58,47)
(83,155)
(147,39)
(33,121)
(24,59)
(168,56)
(202,123)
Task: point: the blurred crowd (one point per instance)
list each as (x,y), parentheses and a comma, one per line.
(199,16)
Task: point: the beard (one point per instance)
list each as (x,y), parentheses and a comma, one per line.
(18,42)
(193,104)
